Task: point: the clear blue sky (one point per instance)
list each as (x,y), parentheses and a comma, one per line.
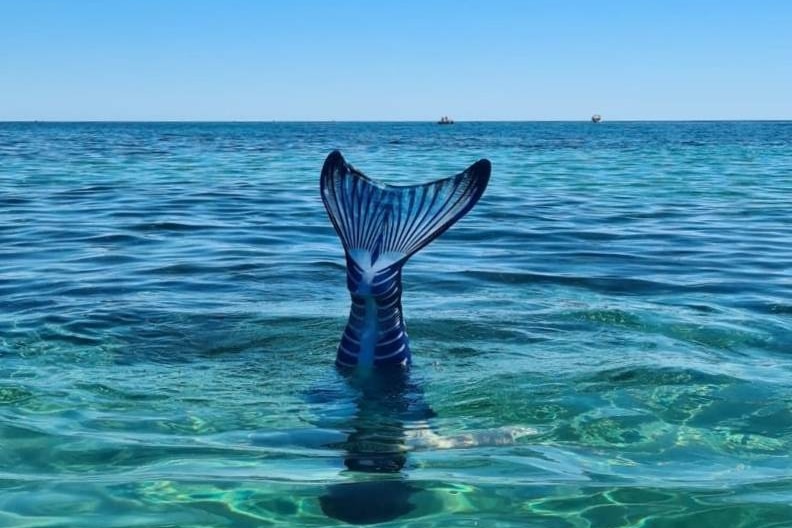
(395,60)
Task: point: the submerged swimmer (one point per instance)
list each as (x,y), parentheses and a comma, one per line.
(391,420)
(381,226)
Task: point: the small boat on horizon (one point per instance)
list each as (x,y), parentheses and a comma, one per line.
(596,118)
(445,121)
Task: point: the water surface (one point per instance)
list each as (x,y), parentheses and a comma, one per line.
(171,296)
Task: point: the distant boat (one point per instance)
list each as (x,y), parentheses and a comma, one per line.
(445,121)
(596,118)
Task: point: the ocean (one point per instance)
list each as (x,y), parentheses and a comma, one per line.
(605,340)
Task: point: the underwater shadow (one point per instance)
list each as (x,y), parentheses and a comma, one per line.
(376,450)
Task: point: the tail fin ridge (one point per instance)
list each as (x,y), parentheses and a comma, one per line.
(374,219)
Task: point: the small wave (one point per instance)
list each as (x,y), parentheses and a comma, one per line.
(652,377)
(114,259)
(114,238)
(182,268)
(170,226)
(620,285)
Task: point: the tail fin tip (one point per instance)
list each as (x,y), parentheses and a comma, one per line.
(379,218)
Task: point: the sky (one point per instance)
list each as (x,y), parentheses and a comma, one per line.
(301,60)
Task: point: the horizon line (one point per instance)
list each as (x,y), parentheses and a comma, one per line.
(259,121)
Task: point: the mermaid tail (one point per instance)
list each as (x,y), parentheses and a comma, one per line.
(381,226)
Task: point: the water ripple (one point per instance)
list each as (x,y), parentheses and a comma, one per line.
(171,296)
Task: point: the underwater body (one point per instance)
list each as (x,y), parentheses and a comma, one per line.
(172,297)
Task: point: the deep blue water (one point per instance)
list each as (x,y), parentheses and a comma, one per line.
(604,341)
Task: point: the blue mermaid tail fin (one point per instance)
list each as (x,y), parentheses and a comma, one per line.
(381,226)
(377,219)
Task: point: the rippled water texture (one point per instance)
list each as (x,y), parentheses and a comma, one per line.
(605,341)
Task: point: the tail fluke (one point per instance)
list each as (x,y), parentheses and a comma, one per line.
(377,220)
(381,226)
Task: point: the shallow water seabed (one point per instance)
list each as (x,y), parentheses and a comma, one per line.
(171,296)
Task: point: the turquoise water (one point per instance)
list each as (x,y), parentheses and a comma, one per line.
(604,341)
